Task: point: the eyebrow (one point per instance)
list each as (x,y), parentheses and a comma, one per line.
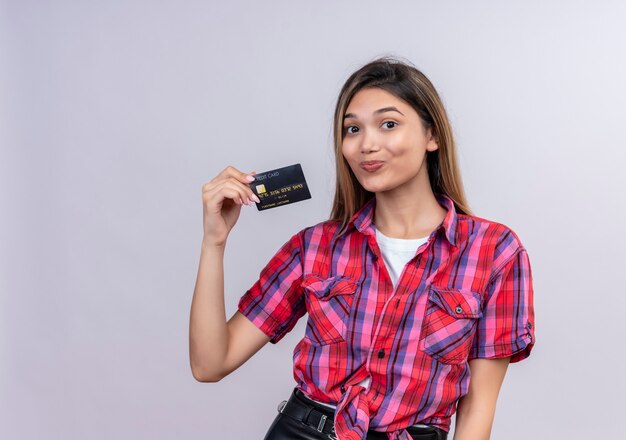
(380,110)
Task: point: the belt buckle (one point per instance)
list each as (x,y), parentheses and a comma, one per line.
(281,406)
(320,425)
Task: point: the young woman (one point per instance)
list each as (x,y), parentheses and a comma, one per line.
(408,294)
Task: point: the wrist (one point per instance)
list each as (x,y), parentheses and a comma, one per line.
(212,247)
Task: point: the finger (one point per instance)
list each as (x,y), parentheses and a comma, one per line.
(245,188)
(230,187)
(231,171)
(219,195)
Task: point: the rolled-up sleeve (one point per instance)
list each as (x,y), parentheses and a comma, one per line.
(275,301)
(507,326)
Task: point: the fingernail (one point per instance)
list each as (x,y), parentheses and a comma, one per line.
(249,178)
(256,199)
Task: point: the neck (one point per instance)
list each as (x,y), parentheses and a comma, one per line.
(411,213)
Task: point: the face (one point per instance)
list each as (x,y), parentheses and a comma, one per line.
(385,142)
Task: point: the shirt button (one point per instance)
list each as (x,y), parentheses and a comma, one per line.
(458,309)
(529,325)
(381,354)
(343,389)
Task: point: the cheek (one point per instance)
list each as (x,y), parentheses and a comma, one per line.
(399,144)
(400,150)
(407,160)
(347,150)
(406,148)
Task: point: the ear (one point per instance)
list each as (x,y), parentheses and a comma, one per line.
(433,142)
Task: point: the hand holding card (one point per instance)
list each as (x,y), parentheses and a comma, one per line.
(279,187)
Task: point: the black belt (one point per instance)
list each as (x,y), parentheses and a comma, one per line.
(321,418)
(305,410)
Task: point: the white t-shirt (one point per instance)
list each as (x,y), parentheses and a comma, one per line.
(396,253)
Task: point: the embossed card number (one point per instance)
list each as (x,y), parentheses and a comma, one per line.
(279,187)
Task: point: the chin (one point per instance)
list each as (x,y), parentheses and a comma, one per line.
(377,184)
(376,188)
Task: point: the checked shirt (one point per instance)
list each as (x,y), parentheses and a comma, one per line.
(467,293)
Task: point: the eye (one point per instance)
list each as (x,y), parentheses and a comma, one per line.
(393,124)
(349,128)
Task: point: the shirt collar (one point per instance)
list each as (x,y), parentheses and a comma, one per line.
(362,219)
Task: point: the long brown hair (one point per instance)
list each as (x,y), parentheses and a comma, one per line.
(406,82)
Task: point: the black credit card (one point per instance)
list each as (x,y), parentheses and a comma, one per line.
(279,187)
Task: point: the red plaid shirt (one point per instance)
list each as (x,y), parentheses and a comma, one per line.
(467,293)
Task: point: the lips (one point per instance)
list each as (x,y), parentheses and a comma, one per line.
(371,165)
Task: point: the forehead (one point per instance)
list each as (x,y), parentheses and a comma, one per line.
(366,101)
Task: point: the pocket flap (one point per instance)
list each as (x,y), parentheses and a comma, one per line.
(461,303)
(328,287)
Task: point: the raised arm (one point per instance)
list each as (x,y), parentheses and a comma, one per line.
(218,347)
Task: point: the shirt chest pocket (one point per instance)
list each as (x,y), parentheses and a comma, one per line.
(450,323)
(329,301)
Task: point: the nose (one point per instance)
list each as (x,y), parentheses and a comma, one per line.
(369,142)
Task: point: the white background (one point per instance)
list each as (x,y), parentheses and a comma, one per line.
(113,114)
